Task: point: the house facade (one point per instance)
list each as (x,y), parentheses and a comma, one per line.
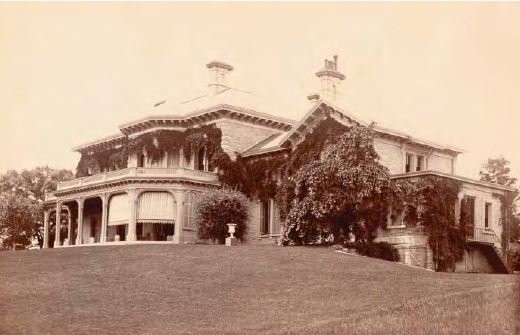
(145,199)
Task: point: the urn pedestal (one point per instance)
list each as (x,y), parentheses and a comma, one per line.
(231,240)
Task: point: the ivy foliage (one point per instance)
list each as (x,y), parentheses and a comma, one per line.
(433,207)
(155,145)
(345,191)
(332,184)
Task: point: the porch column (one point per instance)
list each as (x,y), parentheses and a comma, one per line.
(104,214)
(179,198)
(132,204)
(181,157)
(46,229)
(58,225)
(69,230)
(79,237)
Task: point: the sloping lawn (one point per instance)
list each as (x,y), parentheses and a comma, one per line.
(199,289)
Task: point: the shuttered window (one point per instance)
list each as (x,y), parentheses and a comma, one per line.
(156,207)
(189,210)
(118,210)
(265,218)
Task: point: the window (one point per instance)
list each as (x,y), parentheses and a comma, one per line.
(468,210)
(200,160)
(487,215)
(265,214)
(173,158)
(408,166)
(189,210)
(140,160)
(420,163)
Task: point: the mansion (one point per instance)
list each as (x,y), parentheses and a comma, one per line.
(145,198)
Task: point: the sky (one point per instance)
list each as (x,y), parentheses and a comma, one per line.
(73,72)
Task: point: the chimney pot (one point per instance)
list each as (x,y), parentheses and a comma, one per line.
(330,79)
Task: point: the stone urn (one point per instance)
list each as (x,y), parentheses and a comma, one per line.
(231,240)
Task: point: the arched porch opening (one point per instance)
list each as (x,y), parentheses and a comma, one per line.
(118,217)
(156,213)
(69,225)
(92,220)
(64,215)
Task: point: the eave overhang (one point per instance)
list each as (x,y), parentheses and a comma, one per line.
(206,115)
(323,107)
(419,174)
(199,117)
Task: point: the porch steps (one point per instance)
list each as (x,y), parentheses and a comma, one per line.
(493,255)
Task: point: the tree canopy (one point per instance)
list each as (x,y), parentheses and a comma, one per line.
(21,203)
(496,170)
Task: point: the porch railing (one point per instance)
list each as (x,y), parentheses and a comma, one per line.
(157,172)
(485,235)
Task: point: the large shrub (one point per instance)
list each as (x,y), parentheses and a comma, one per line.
(381,250)
(216,208)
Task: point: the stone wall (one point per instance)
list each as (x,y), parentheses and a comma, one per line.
(411,244)
(239,136)
(390,154)
(441,163)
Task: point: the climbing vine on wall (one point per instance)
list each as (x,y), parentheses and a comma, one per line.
(432,206)
(507,210)
(352,193)
(349,193)
(155,145)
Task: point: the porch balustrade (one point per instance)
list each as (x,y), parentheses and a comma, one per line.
(484,235)
(177,172)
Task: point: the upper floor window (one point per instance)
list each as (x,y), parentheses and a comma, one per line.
(200,160)
(414,162)
(420,163)
(468,210)
(141,160)
(408,166)
(487,214)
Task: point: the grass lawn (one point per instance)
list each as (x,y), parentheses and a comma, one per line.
(203,289)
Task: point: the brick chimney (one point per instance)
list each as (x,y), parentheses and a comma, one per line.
(218,72)
(330,79)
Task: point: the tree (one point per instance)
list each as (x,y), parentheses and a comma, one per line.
(496,170)
(20,218)
(216,208)
(22,195)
